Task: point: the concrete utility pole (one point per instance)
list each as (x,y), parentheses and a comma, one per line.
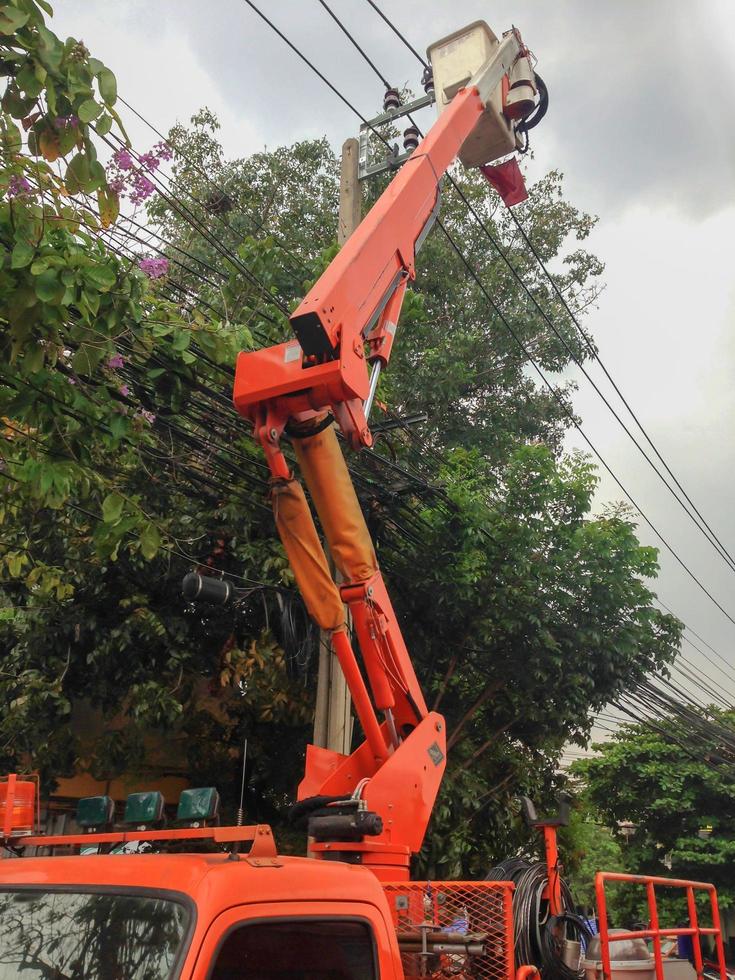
(333,715)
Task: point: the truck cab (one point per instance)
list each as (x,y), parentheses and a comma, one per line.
(217,916)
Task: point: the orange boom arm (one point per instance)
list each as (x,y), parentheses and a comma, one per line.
(347,321)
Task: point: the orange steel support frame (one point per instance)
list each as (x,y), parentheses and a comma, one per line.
(355,301)
(261,835)
(654,931)
(346,322)
(552,869)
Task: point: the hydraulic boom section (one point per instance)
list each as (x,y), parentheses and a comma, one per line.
(381,797)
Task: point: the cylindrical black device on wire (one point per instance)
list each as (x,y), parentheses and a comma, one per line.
(204,588)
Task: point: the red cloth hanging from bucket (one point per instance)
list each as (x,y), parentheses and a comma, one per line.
(507,180)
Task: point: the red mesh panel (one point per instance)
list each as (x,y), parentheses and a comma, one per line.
(481,911)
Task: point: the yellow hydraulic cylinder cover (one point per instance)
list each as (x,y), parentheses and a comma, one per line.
(326,475)
(306,555)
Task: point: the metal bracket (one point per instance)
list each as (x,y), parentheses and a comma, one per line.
(369,168)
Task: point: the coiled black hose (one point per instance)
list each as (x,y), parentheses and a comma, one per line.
(538,937)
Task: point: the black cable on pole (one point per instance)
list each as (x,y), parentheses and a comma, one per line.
(709,660)
(303,58)
(188,215)
(704,527)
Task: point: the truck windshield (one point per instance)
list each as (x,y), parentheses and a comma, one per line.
(74,935)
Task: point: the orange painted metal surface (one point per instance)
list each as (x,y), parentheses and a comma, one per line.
(348,319)
(342,302)
(527,972)
(219,886)
(551,853)
(374,737)
(18,804)
(388,663)
(372,912)
(654,931)
(402,790)
(326,367)
(260,835)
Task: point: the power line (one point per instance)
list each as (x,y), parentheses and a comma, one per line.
(217,188)
(696,517)
(398,34)
(555,394)
(595,354)
(701,639)
(362,51)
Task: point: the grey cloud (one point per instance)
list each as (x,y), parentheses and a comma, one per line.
(642,94)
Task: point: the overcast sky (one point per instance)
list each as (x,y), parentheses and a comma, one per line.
(641,122)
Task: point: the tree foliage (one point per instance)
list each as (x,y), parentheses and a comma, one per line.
(124,466)
(670,795)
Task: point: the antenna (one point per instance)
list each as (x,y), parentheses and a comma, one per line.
(241,809)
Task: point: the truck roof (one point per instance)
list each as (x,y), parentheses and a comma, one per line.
(213,879)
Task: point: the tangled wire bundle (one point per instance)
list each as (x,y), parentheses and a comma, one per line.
(539,937)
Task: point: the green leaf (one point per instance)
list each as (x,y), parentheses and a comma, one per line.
(102,276)
(48,288)
(150,541)
(104,124)
(112,508)
(15,104)
(12,19)
(33,359)
(51,97)
(11,138)
(97,176)
(28,81)
(23,253)
(51,50)
(108,86)
(181,341)
(77,176)
(87,358)
(89,110)
(109,206)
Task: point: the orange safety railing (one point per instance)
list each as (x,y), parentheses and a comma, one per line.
(654,932)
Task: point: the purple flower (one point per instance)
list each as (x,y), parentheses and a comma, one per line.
(154,268)
(116,183)
(116,361)
(17,186)
(124,390)
(149,417)
(163,151)
(142,188)
(149,160)
(72,381)
(61,122)
(123,159)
